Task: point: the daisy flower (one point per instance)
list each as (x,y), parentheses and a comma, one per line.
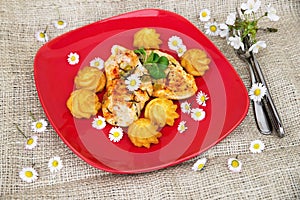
(181,50)
(60,24)
(257,146)
(39,126)
(174,42)
(250,6)
(230,20)
(97,62)
(185,107)
(73,58)
(182,127)
(55,164)
(28,174)
(204,15)
(271,13)
(255,47)
(257,91)
(99,122)
(115,134)
(31,142)
(224,30)
(198,114)
(236,42)
(212,28)
(201,98)
(199,164)
(133,82)
(234,165)
(41,36)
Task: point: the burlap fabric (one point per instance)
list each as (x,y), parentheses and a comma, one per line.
(273,174)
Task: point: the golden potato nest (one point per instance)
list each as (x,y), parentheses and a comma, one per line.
(161,111)
(195,62)
(147,38)
(90,78)
(83,103)
(142,133)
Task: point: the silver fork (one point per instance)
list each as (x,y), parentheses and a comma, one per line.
(260,112)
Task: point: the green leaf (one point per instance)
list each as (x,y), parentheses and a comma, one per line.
(155,71)
(155,57)
(163,60)
(150,58)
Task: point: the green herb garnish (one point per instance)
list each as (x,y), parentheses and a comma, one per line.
(154,63)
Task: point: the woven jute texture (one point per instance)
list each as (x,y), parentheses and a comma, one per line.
(272,174)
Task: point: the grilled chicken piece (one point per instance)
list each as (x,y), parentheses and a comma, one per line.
(121,106)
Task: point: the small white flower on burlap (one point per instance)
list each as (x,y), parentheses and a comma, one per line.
(41,36)
(60,24)
(257,146)
(115,134)
(133,82)
(234,165)
(31,142)
(39,126)
(271,13)
(182,127)
(197,114)
(28,174)
(98,63)
(212,28)
(258,45)
(55,164)
(199,164)
(73,58)
(201,98)
(99,123)
(224,30)
(236,42)
(231,19)
(174,42)
(251,6)
(186,107)
(204,15)
(257,92)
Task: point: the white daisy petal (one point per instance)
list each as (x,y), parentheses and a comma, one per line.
(133,82)
(55,164)
(258,45)
(181,50)
(185,107)
(204,15)
(174,43)
(212,28)
(98,63)
(41,36)
(271,13)
(28,174)
(115,134)
(39,126)
(197,114)
(60,24)
(201,98)
(199,164)
(99,123)
(73,58)
(234,165)
(257,146)
(257,92)
(182,127)
(31,142)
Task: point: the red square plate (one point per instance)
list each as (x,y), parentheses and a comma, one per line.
(226,107)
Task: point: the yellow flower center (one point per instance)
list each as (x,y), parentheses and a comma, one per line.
(132,83)
(116,134)
(204,14)
(213,28)
(187,107)
(174,43)
(30,141)
(180,50)
(202,98)
(60,22)
(39,125)
(97,63)
(256,146)
(55,163)
(42,35)
(99,122)
(73,58)
(235,163)
(257,92)
(198,114)
(28,174)
(200,166)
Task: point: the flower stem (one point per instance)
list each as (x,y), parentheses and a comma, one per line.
(20,130)
(31,114)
